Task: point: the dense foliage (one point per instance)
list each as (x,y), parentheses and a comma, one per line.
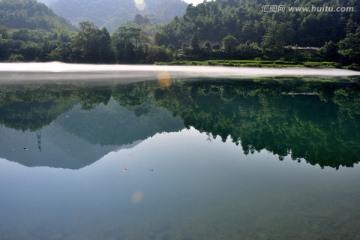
(245,29)
(34,45)
(247,21)
(30,14)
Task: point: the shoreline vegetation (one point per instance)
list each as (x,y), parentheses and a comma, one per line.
(257,64)
(280,64)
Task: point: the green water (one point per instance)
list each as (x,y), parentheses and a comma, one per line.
(198,159)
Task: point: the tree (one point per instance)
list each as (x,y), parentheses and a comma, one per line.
(158,39)
(330,51)
(16,58)
(4,33)
(30,51)
(22,35)
(105,52)
(349,48)
(91,44)
(127,44)
(195,43)
(5,48)
(157,54)
(207,47)
(229,44)
(277,36)
(249,50)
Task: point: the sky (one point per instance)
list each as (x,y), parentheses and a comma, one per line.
(195,2)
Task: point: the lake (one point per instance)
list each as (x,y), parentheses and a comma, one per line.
(168,155)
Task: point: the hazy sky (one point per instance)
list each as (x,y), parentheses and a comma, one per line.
(193,1)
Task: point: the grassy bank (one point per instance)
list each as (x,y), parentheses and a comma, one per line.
(254,63)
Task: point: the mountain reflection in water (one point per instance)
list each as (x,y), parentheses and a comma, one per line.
(72,125)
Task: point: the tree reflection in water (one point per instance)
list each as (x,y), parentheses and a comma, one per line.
(310,120)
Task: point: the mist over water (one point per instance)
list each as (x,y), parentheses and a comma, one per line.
(148,71)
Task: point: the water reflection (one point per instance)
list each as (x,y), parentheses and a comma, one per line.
(199,190)
(318,122)
(192,160)
(73,125)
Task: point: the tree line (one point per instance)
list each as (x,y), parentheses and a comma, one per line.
(88,45)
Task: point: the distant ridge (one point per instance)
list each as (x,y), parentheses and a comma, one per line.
(112,13)
(30,14)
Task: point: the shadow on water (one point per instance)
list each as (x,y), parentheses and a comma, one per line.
(315,121)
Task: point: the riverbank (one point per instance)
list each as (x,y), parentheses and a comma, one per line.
(259,63)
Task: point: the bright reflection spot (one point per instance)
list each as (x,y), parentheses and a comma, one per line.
(140,4)
(164,80)
(194,2)
(137,197)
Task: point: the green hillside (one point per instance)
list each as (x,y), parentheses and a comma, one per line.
(250,20)
(247,29)
(30,14)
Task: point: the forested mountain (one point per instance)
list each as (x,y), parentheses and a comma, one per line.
(252,21)
(112,13)
(30,14)
(216,30)
(47,2)
(298,31)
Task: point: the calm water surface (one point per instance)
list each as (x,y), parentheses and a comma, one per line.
(201,159)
